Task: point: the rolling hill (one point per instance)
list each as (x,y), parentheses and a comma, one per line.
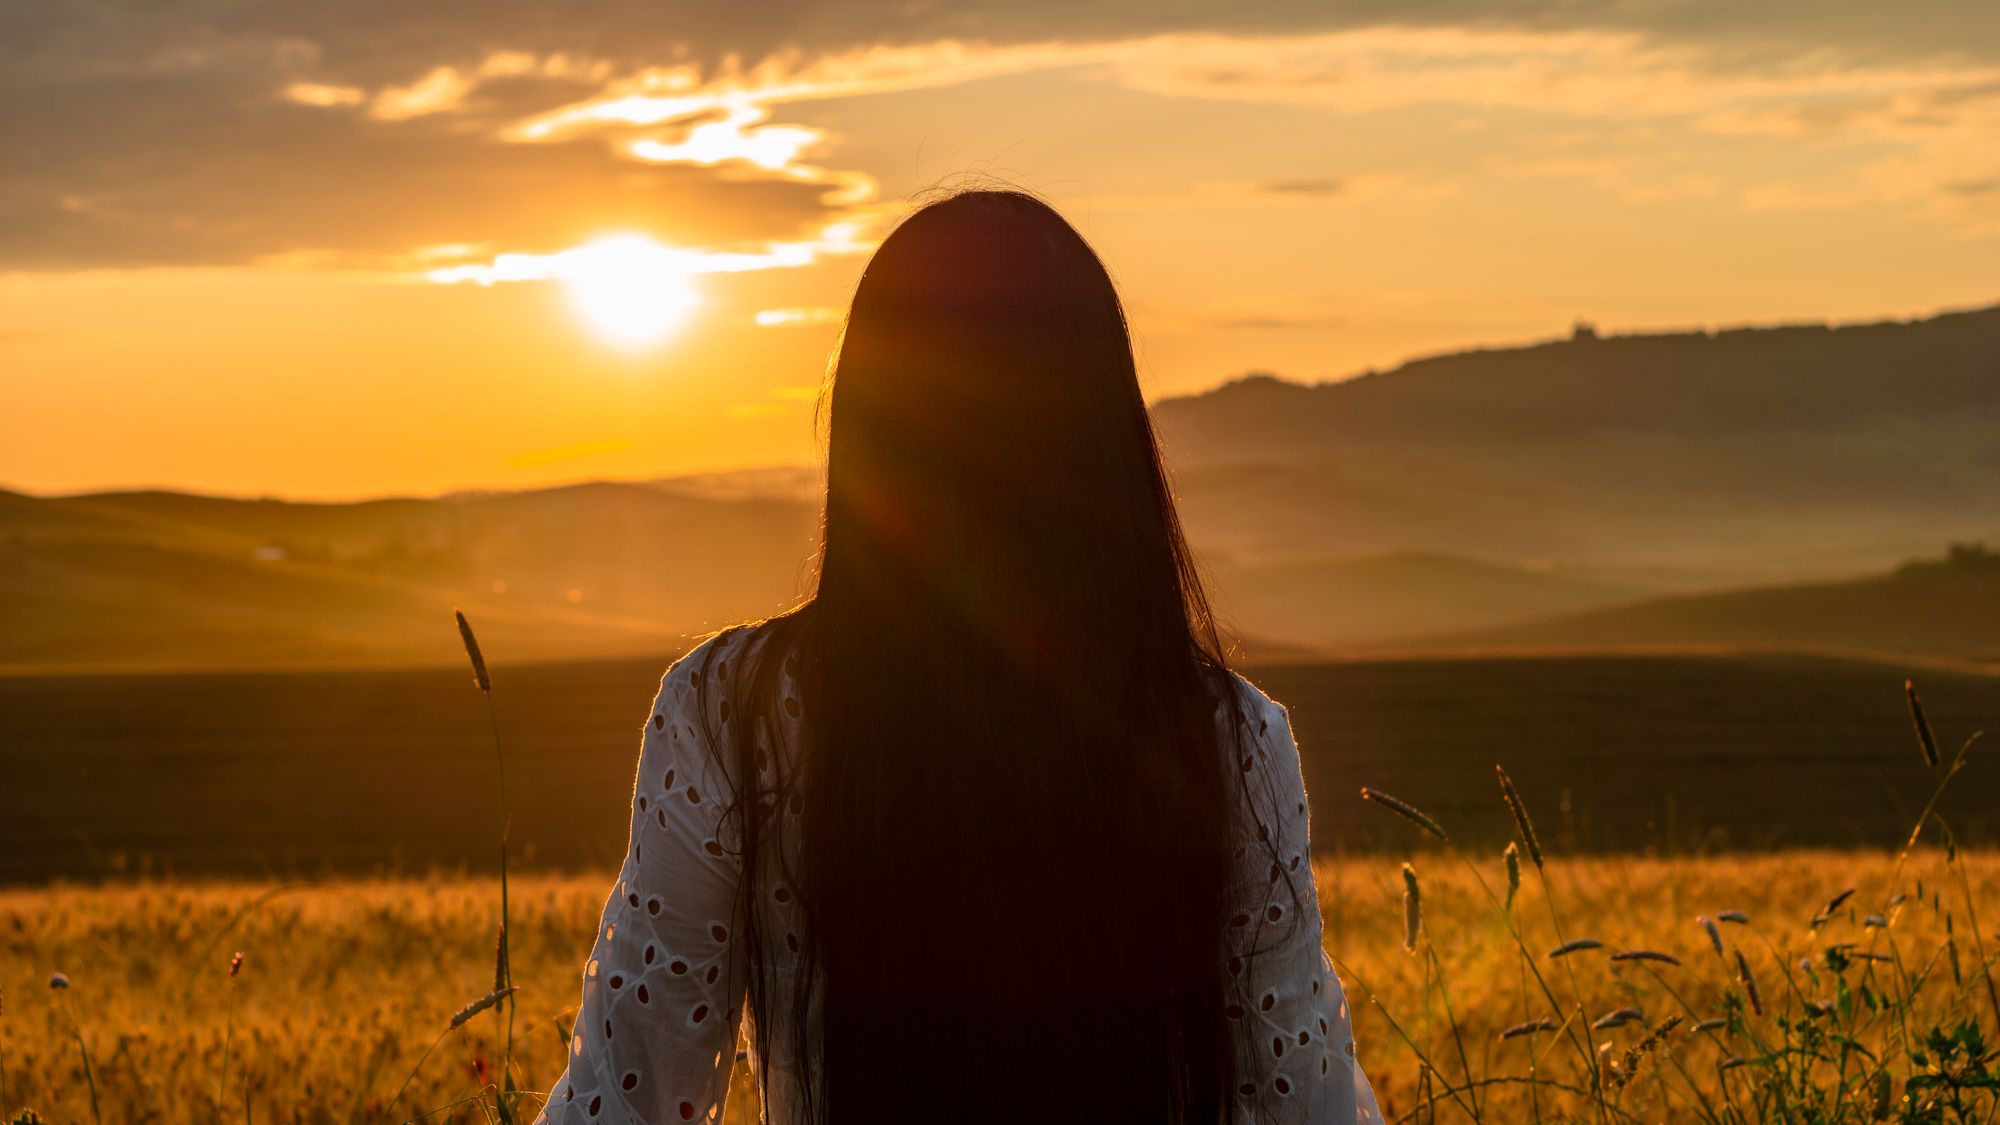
(1772,453)
(165,579)
(1590,490)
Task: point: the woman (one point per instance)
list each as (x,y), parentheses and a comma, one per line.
(986,830)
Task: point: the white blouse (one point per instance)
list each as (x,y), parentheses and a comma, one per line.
(655,1037)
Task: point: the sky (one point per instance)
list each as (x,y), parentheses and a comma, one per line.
(340,250)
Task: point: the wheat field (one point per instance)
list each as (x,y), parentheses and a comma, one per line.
(345,986)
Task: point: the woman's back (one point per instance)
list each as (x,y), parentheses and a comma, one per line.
(665,987)
(985,830)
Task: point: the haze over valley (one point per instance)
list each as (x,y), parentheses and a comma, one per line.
(1757,487)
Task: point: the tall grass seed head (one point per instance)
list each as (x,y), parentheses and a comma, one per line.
(1749,984)
(1926,741)
(1413,908)
(1406,810)
(1714,933)
(479,675)
(1520,810)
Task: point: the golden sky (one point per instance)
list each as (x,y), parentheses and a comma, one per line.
(337,250)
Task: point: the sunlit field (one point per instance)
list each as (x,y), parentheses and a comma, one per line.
(1695,982)
(341,1007)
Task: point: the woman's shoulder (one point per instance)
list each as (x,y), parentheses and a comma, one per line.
(707,666)
(1257,730)
(1244,704)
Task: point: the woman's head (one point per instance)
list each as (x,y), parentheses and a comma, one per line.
(990,459)
(1015,823)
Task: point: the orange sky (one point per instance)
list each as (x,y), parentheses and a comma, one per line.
(336,259)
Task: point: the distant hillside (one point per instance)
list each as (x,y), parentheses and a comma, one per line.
(1584,491)
(1780,452)
(148,579)
(1948,607)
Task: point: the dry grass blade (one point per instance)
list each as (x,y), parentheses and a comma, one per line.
(1514,805)
(1925,738)
(1645,955)
(500,959)
(1406,810)
(479,675)
(1575,945)
(478,1006)
(1712,1025)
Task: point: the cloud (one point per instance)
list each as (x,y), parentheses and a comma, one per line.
(638,254)
(786,318)
(322,95)
(355,135)
(1313,189)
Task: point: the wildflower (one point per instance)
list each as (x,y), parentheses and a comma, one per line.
(1643,1047)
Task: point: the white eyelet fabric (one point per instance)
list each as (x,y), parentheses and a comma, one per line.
(663,990)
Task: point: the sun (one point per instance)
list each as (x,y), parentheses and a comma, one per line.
(631,291)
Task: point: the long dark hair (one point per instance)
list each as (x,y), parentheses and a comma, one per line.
(1013,814)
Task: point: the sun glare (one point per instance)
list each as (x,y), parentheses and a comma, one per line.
(631,291)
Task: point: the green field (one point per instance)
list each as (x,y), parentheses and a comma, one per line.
(293,775)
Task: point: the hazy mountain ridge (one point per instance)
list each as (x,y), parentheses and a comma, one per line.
(1583,491)
(1749,452)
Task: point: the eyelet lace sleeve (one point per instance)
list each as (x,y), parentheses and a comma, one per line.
(1296,1061)
(655,1038)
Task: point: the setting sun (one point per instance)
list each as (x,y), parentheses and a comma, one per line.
(632,292)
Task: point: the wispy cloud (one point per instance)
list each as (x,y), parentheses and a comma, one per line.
(182,137)
(785,318)
(638,255)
